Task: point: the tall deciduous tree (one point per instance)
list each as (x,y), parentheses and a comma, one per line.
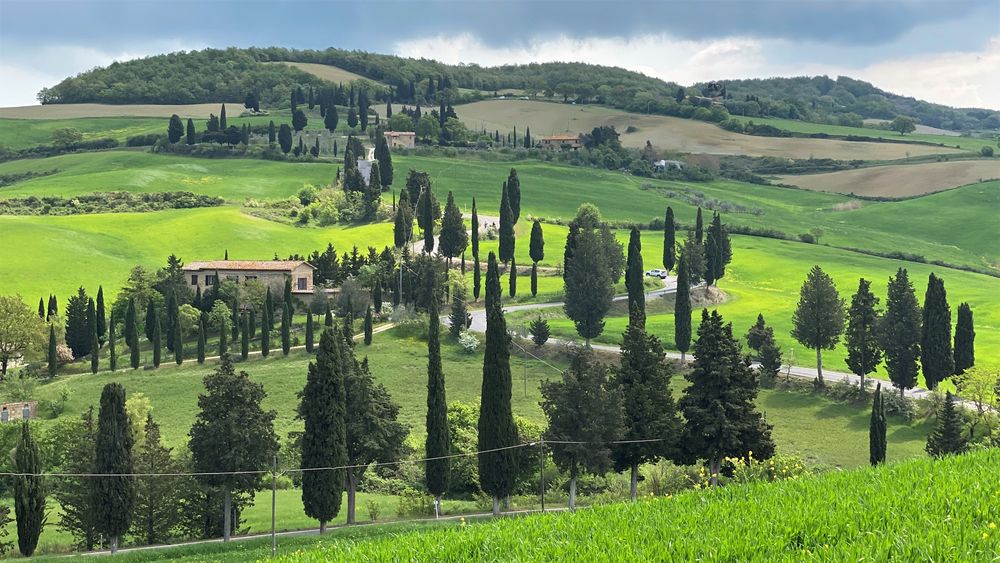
(718,404)
(506,227)
(818,320)
(454,238)
(232,433)
(669,240)
(900,332)
(21,330)
(29,492)
(649,408)
(936,356)
(437,445)
(682,309)
(965,340)
(634,280)
(322,408)
(864,353)
(113,497)
(583,407)
(877,430)
(497,432)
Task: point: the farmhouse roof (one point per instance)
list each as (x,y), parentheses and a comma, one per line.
(564,137)
(399,133)
(259,265)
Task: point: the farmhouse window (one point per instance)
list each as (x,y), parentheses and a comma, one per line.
(301,283)
(250,278)
(194,279)
(211,280)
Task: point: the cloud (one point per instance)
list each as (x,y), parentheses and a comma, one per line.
(962,79)
(25,71)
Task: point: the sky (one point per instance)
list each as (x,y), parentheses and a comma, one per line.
(944,51)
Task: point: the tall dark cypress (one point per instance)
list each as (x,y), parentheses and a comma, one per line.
(309,332)
(863,351)
(223,340)
(369,321)
(634,280)
(267,319)
(437,444)
(324,441)
(682,309)
(506,227)
(534,279)
(900,332)
(476,268)
(286,330)
(699,228)
(29,492)
(190,134)
(201,339)
(92,328)
(265,334)
(877,430)
(95,349)
(133,335)
(130,322)
(53,307)
(150,317)
(936,357)
(222,118)
(155,341)
(112,352)
(497,467)
(245,337)
(514,194)
(948,436)
(512,280)
(53,353)
(965,340)
(669,240)
(113,497)
(41,308)
(102,315)
(328,317)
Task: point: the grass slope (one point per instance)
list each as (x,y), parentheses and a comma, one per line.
(326,72)
(670,133)
(71,111)
(899,180)
(917,511)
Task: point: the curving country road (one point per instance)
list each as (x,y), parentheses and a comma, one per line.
(670,286)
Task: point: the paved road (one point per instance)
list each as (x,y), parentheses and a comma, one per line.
(670,286)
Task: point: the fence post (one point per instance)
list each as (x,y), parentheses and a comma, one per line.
(274,492)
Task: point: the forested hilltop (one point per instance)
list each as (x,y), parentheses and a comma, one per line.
(213,75)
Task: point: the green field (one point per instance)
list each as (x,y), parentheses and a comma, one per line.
(916,511)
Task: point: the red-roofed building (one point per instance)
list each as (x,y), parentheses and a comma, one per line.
(566,141)
(271,272)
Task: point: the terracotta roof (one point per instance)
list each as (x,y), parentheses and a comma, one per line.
(398,133)
(261,265)
(561,138)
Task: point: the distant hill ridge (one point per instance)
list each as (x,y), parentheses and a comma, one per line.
(211,75)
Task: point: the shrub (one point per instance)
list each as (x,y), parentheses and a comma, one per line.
(373,510)
(468,342)
(986,151)
(415,503)
(898,406)
(147,140)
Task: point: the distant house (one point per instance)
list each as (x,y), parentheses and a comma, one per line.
(561,142)
(21,410)
(204,275)
(664,165)
(404,139)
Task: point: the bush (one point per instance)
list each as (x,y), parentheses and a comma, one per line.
(415,503)
(468,342)
(373,510)
(147,140)
(898,406)
(986,151)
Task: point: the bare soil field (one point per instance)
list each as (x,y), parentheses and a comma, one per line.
(903,180)
(670,133)
(72,111)
(326,72)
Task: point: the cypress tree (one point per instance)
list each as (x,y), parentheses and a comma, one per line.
(41,308)
(514,195)
(133,349)
(222,119)
(947,437)
(459,311)
(267,319)
(178,343)
(377,296)
(536,244)
(818,320)
(234,318)
(512,280)
(175,129)
(92,328)
(328,318)
(196,303)
(78,328)
(437,443)
(699,228)
(965,340)
(102,315)
(190,137)
(589,286)
(309,332)
(863,351)
(112,353)
(669,241)
(150,318)
(29,492)
(454,239)
(936,357)
(95,350)
(476,268)
(224,339)
(157,348)
(634,280)
(53,307)
(900,332)
(877,429)
(201,339)
(477,278)
(286,334)
(245,337)
(322,407)
(171,310)
(682,309)
(534,279)
(130,322)
(506,227)
(53,354)
(272,134)
(265,334)
(113,498)
(757,334)
(718,403)
(368,326)
(497,467)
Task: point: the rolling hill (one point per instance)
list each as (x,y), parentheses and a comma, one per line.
(900,180)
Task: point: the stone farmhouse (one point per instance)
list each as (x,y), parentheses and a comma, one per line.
(204,275)
(566,141)
(404,139)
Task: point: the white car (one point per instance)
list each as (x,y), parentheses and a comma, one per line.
(657,273)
